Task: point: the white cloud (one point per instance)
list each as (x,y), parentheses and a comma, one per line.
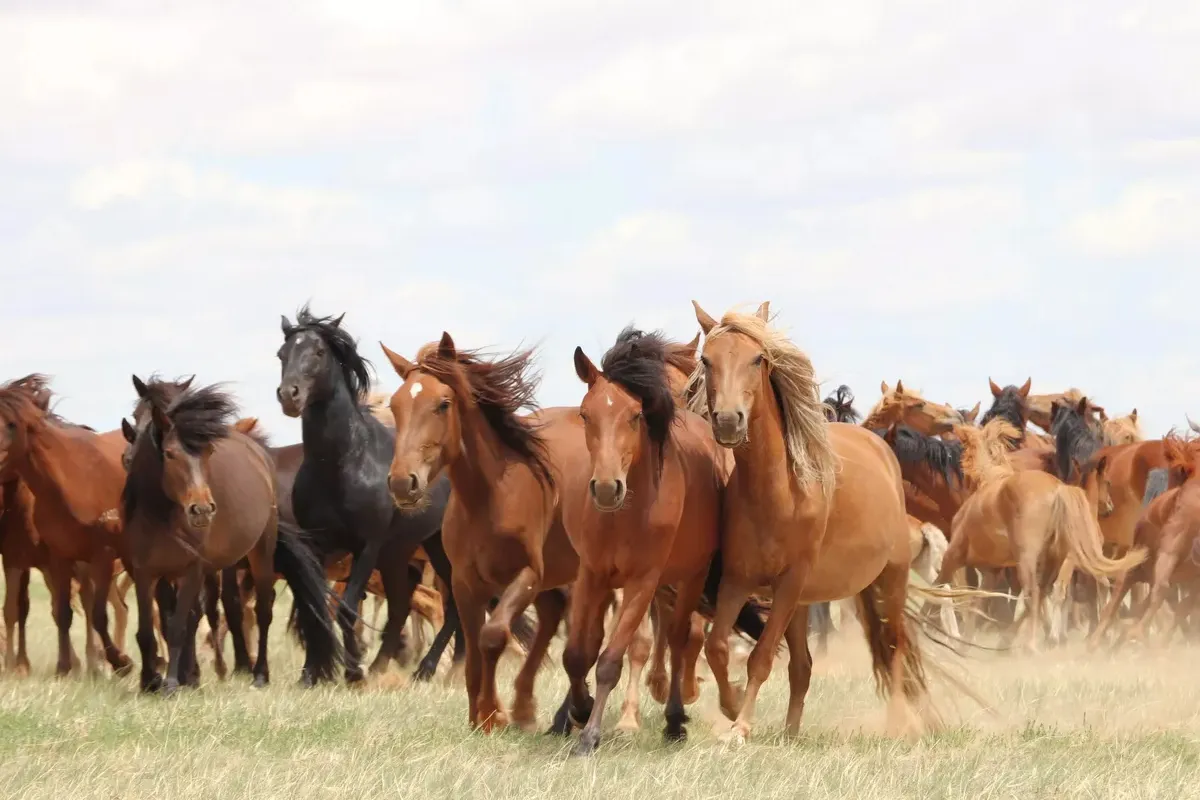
(1146,219)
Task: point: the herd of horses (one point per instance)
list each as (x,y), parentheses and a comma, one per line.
(697,490)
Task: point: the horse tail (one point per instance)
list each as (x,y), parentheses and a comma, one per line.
(887,641)
(1074,527)
(1156,485)
(305,576)
(933,550)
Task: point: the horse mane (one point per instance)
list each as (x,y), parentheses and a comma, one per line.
(1009,406)
(1122,430)
(21,399)
(840,406)
(249,427)
(805,434)
(638,363)
(941,456)
(1180,455)
(499,388)
(1073,437)
(985,450)
(891,398)
(198,418)
(380,405)
(356,370)
(681,356)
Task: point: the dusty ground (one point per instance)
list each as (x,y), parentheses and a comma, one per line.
(1064,725)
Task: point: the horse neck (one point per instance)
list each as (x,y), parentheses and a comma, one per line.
(479,464)
(935,486)
(44,471)
(763,464)
(330,427)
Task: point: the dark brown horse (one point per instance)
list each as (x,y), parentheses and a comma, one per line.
(200,497)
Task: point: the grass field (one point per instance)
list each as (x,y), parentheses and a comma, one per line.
(1064,725)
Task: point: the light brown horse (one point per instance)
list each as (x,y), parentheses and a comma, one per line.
(1028,519)
(1122,430)
(502,528)
(815,510)
(642,512)
(901,405)
(75,476)
(1169,529)
(201,496)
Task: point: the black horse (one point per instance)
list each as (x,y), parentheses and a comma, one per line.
(340,496)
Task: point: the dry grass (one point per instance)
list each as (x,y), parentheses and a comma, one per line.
(1067,726)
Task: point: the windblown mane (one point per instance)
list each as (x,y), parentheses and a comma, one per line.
(159,393)
(638,363)
(1009,406)
(804,427)
(1180,455)
(1073,437)
(1122,430)
(941,456)
(356,370)
(500,389)
(26,398)
(840,406)
(380,406)
(985,450)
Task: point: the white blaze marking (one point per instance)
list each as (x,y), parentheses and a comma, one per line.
(608,398)
(416,389)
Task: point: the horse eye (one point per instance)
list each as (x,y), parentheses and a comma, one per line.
(443,406)
(704,360)
(635,419)
(758,360)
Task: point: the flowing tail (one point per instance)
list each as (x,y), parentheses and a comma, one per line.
(1073,525)
(310,602)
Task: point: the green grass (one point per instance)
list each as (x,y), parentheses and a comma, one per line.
(1064,725)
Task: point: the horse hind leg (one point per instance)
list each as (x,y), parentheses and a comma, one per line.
(691,657)
(657,680)
(550,606)
(895,655)
(800,663)
(212,592)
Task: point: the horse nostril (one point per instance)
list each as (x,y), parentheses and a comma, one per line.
(294,391)
(414,482)
(741,417)
(279,393)
(592,487)
(620,488)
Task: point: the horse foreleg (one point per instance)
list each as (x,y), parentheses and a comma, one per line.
(104,592)
(680,633)
(493,640)
(799,669)
(60,571)
(638,653)
(187,593)
(691,656)
(585,635)
(731,596)
(550,606)
(88,597)
(13,577)
(657,680)
(121,587)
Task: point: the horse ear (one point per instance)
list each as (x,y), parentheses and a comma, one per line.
(707,323)
(694,345)
(1101,465)
(764,311)
(446,348)
(996,390)
(883,388)
(900,387)
(127,431)
(139,386)
(973,414)
(1025,387)
(1082,406)
(285,325)
(337,323)
(1133,416)
(584,368)
(399,363)
(187,384)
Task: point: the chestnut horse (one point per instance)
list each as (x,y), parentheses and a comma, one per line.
(200,497)
(74,475)
(1169,528)
(642,512)
(458,413)
(813,509)
(1028,519)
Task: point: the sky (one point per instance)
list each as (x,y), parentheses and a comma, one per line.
(941,192)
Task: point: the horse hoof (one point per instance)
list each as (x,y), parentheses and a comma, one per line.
(735,736)
(675,734)
(306,680)
(561,726)
(354,675)
(587,744)
(123,668)
(629,724)
(152,684)
(170,688)
(260,682)
(424,672)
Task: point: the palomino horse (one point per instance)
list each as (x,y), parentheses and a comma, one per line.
(642,512)
(1028,519)
(200,497)
(813,509)
(502,530)
(74,476)
(340,495)
(1122,430)
(1169,528)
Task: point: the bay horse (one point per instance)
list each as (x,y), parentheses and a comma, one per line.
(1028,519)
(1169,529)
(340,495)
(199,498)
(458,413)
(642,511)
(813,509)
(74,476)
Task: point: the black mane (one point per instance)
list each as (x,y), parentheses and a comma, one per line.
(356,370)
(839,406)
(638,362)
(1074,440)
(941,456)
(1008,406)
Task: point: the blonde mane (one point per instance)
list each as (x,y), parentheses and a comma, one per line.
(1122,430)
(379,403)
(985,450)
(804,425)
